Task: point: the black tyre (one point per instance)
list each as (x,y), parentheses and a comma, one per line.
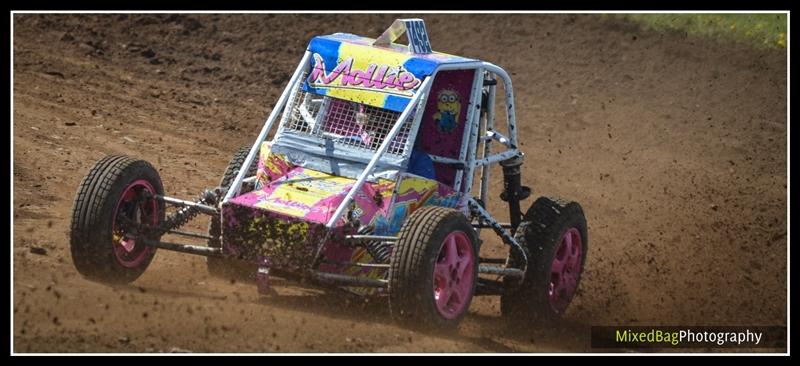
(229,268)
(553,233)
(107,215)
(434,267)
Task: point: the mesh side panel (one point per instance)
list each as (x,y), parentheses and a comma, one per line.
(344,122)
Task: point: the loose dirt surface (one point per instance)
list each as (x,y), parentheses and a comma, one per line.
(674,146)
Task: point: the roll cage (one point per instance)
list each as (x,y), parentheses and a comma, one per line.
(481,99)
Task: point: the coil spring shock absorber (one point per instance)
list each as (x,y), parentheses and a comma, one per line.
(376,248)
(183,215)
(513,190)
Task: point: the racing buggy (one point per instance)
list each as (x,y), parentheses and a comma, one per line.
(365,186)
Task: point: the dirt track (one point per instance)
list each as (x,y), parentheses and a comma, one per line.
(675,147)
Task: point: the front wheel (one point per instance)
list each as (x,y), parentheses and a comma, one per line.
(554,236)
(111,215)
(433,268)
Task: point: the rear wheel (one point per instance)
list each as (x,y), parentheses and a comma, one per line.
(554,235)
(229,268)
(111,215)
(433,268)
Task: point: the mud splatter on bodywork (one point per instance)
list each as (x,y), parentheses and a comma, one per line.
(284,218)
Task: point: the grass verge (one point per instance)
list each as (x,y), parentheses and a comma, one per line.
(763,30)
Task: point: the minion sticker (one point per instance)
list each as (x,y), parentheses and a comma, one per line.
(449,107)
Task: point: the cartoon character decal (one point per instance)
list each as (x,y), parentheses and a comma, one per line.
(449,107)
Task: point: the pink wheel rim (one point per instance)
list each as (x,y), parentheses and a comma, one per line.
(453,275)
(565,270)
(127,250)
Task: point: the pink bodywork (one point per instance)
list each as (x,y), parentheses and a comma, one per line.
(292,204)
(282,222)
